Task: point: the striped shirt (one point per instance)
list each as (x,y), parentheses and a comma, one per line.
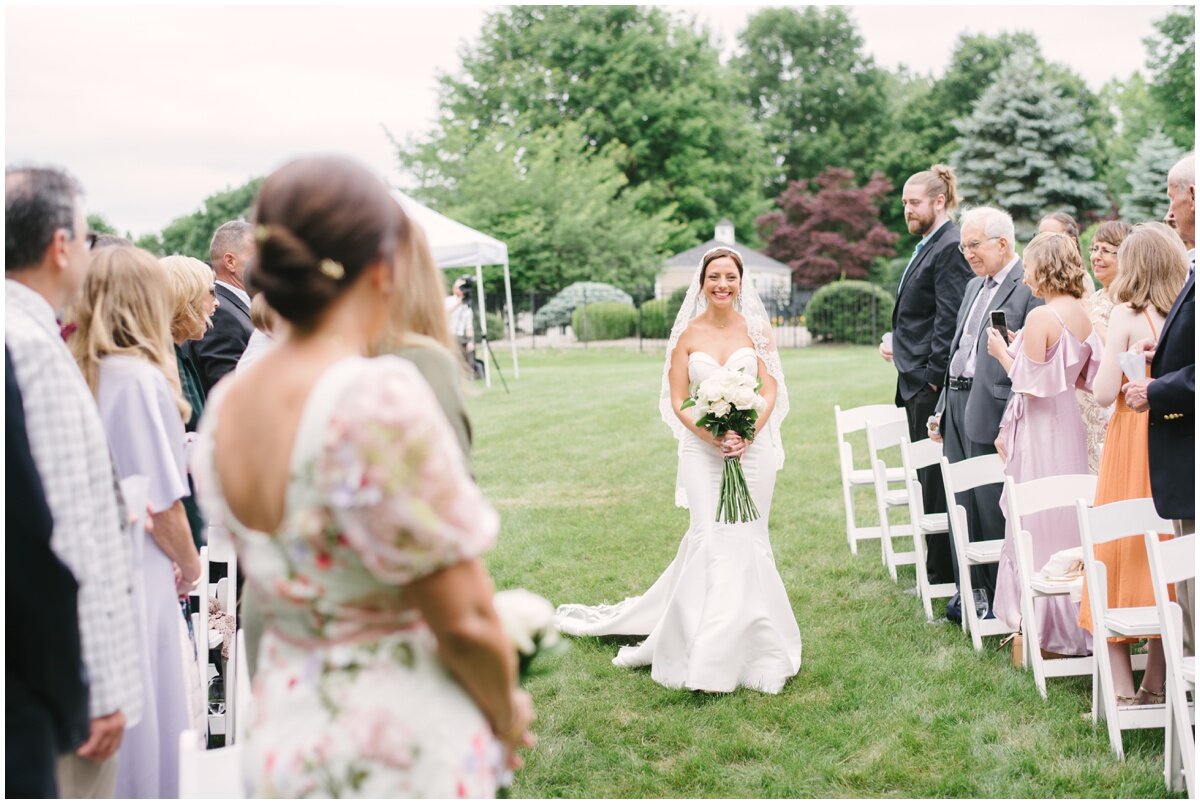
(70,450)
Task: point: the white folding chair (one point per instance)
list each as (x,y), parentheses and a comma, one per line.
(1171,562)
(881,437)
(215,773)
(1099,525)
(852,421)
(1026,499)
(241,702)
(914,456)
(959,477)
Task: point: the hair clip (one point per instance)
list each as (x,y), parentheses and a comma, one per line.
(332,268)
(262,233)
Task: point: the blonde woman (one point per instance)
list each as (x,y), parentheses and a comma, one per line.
(123,347)
(195,297)
(418,331)
(1042,431)
(1153,269)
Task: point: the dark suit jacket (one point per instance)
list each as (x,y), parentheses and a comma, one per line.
(1172,397)
(923,318)
(992,387)
(44,675)
(217,353)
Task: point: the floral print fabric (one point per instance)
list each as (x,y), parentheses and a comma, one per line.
(350,698)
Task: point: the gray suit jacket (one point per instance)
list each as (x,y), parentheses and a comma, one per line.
(990,391)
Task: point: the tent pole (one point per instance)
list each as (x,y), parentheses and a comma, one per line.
(512,327)
(487,366)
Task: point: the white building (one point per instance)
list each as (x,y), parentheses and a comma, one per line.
(771,278)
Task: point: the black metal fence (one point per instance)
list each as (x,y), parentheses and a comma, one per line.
(860,319)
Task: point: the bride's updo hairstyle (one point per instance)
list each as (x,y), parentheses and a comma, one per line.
(319,222)
(716,254)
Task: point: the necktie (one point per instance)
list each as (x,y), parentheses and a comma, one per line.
(911,260)
(971,333)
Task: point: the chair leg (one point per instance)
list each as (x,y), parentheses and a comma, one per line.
(922,575)
(851,528)
(1171,747)
(1032,635)
(966,604)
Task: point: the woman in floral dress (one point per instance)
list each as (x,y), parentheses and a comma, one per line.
(384,671)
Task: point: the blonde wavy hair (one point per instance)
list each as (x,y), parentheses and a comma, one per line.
(1056,264)
(418,312)
(192,283)
(126,309)
(1153,269)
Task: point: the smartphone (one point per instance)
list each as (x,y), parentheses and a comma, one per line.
(1001,323)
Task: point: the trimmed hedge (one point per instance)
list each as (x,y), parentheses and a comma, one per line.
(606,321)
(849,311)
(655,322)
(557,311)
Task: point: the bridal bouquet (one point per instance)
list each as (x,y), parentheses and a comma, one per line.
(729,402)
(528,620)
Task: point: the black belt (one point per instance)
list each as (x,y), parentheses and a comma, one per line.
(959,383)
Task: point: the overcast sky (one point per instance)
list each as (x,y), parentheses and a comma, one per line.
(154,108)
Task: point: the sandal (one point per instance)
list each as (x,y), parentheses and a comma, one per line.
(1146,697)
(1127,700)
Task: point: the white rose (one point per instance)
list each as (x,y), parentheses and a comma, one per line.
(526,618)
(721,409)
(743,398)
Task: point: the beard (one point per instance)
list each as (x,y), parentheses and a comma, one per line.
(919,224)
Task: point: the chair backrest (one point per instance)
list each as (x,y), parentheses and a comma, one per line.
(982,470)
(1045,493)
(215,773)
(1116,520)
(881,435)
(920,454)
(1171,561)
(855,419)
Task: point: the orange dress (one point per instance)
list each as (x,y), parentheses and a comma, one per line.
(1124,475)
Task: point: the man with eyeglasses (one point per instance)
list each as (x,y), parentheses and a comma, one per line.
(976,386)
(46,262)
(1169,392)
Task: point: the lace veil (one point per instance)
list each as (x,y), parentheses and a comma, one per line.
(750,305)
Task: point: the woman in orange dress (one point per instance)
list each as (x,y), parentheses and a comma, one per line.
(1153,269)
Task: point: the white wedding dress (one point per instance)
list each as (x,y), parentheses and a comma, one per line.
(718,618)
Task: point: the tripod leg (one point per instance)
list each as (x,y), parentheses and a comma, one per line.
(488,347)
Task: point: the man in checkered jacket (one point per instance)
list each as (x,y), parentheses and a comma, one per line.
(46,261)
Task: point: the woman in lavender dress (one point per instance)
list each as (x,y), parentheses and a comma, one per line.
(124,348)
(1042,432)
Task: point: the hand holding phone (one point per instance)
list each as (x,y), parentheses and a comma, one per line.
(999,322)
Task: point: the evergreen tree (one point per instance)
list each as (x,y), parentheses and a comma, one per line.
(1147,171)
(1020,149)
(1171,54)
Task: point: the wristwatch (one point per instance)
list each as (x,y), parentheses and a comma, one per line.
(933,425)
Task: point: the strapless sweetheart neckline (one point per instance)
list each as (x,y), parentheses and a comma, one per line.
(727,360)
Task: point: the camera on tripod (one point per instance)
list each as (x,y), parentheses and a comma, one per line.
(466,285)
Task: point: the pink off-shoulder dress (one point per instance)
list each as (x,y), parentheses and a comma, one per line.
(1043,434)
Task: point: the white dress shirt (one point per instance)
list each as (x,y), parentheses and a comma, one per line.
(90,536)
(984,297)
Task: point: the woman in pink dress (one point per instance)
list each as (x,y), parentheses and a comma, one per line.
(1042,432)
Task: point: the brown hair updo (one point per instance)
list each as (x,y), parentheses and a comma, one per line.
(319,221)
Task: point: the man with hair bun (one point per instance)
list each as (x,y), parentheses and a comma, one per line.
(1169,392)
(927,301)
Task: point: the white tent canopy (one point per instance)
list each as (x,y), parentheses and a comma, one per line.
(456,245)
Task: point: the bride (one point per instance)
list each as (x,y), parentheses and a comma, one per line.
(718,617)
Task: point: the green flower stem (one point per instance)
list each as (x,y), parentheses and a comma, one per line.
(734,503)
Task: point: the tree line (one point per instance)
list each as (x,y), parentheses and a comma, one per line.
(594,140)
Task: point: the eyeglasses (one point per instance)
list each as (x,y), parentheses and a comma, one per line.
(1108,252)
(212,291)
(90,239)
(974,245)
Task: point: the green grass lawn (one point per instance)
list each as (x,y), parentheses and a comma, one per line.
(582,471)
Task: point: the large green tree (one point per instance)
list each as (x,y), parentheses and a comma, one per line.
(564,209)
(190,234)
(1022,149)
(1133,115)
(628,75)
(1147,171)
(819,97)
(1171,55)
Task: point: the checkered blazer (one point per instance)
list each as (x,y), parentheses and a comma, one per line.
(70,450)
